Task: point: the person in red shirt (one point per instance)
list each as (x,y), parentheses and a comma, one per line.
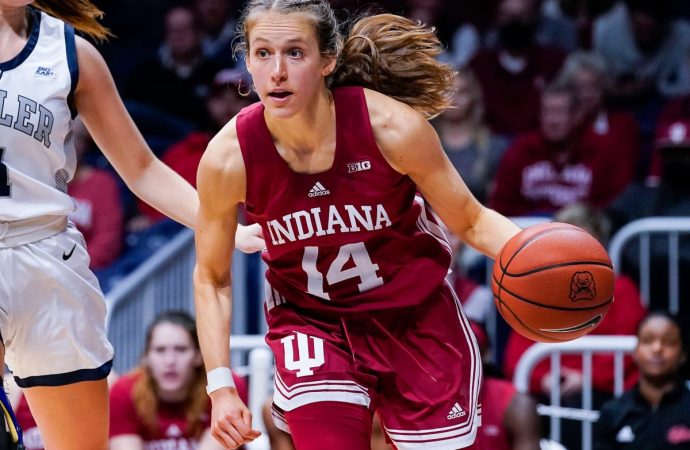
(547,169)
(513,75)
(99,212)
(614,135)
(163,402)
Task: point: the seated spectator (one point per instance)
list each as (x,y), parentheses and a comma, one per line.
(217,30)
(653,414)
(98,213)
(223,102)
(550,30)
(544,170)
(175,81)
(513,74)
(668,197)
(472,148)
(613,134)
(509,418)
(645,49)
(622,319)
(163,402)
(582,13)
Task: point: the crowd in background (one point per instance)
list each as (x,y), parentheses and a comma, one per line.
(573,109)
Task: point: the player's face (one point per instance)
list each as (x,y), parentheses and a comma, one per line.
(172,358)
(659,351)
(285,62)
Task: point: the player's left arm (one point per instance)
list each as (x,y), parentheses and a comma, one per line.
(412,147)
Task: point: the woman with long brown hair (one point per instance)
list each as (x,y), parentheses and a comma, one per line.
(52,312)
(330,164)
(163,403)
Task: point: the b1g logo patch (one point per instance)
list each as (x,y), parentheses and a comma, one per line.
(359,166)
(582,287)
(307,358)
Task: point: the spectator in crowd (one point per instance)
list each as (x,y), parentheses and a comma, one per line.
(554,166)
(163,402)
(669,196)
(513,74)
(472,148)
(225,99)
(614,135)
(98,212)
(217,30)
(622,319)
(583,13)
(550,30)
(654,414)
(646,49)
(509,418)
(175,81)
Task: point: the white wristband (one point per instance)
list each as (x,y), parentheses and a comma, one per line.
(218,378)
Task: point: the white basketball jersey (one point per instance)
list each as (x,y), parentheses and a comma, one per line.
(37,157)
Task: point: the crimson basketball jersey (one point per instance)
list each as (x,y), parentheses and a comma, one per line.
(356,236)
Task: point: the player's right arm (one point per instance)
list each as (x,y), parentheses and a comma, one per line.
(221,185)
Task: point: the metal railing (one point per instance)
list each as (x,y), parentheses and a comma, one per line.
(586,346)
(164,282)
(643,229)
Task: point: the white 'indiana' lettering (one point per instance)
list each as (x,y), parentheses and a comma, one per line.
(302,225)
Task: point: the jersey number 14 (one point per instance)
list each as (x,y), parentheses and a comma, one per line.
(363,268)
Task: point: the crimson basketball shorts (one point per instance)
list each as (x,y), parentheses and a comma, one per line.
(52,311)
(419,367)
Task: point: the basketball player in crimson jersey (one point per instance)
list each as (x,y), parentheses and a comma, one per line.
(336,163)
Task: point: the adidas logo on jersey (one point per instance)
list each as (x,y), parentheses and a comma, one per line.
(457,412)
(318,190)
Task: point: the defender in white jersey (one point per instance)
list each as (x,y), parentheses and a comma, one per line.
(52,313)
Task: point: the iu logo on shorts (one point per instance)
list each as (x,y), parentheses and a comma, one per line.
(304,362)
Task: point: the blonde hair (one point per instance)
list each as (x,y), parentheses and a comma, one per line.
(81,14)
(385,52)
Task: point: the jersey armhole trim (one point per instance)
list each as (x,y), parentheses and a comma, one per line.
(30,44)
(73,64)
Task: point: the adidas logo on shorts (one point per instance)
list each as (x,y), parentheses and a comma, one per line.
(457,412)
(318,190)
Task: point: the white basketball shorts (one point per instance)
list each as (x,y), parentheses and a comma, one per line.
(52,312)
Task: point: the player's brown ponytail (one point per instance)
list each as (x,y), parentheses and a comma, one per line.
(397,57)
(81,14)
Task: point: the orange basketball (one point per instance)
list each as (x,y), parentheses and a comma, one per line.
(553,282)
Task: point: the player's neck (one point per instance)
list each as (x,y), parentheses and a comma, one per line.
(308,130)
(14,31)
